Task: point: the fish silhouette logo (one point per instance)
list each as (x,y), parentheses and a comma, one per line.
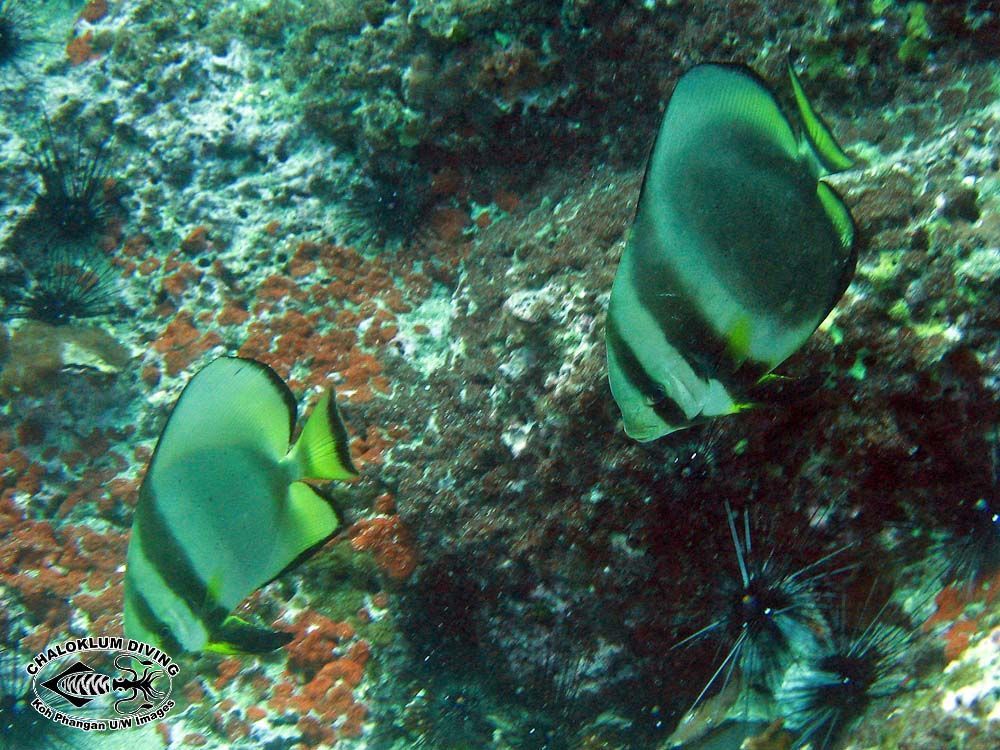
(79,685)
(102,684)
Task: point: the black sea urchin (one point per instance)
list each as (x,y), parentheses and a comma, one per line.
(72,205)
(824,695)
(15,32)
(446,719)
(767,616)
(971,552)
(64,285)
(386,208)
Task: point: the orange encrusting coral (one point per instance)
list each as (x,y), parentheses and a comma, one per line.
(952,603)
(197,240)
(182,276)
(54,571)
(326,665)
(80,49)
(316,639)
(94,11)
(390,543)
(324,672)
(181,343)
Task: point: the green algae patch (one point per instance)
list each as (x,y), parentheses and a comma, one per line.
(900,311)
(884,269)
(931,328)
(379,633)
(858,370)
(915,47)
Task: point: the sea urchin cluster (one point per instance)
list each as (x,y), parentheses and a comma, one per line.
(66,275)
(768,615)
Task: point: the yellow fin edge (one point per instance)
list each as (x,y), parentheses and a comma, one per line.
(821,140)
(839,214)
(322,451)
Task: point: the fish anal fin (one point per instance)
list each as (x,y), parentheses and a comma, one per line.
(310,518)
(322,451)
(818,134)
(237,636)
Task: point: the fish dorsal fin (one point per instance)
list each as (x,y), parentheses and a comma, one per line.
(322,451)
(819,138)
(843,222)
(709,98)
(224,403)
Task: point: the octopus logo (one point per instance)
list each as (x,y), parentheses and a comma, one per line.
(101,684)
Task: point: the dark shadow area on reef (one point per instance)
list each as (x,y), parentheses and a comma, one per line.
(503,650)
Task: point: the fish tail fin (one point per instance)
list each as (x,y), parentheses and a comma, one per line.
(322,452)
(818,137)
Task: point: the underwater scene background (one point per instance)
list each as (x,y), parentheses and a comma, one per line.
(422,204)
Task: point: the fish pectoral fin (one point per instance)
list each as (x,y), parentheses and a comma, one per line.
(818,134)
(322,450)
(237,636)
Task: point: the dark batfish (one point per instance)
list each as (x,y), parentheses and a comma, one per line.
(738,252)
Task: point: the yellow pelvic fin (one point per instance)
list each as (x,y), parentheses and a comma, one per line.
(738,340)
(237,636)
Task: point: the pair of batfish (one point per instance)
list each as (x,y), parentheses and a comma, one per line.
(737,253)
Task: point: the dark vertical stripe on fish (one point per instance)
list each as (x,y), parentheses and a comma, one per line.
(152,624)
(164,553)
(664,406)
